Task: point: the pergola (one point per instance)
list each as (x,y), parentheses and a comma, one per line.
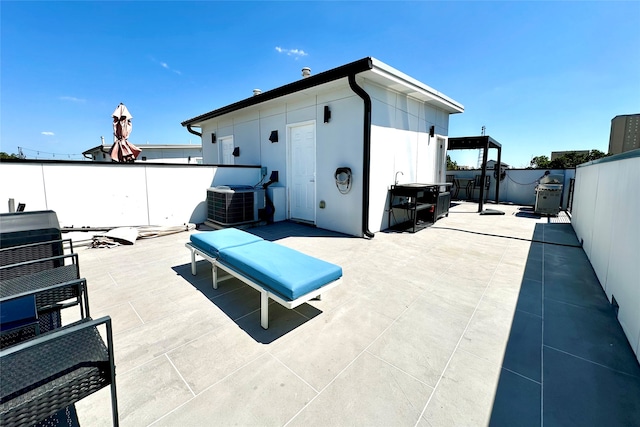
(483,142)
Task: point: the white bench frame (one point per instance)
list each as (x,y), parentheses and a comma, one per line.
(265,292)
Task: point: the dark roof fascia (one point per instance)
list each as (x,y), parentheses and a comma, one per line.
(343,71)
(472,142)
(626,115)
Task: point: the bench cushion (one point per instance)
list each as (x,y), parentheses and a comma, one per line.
(212,242)
(283,270)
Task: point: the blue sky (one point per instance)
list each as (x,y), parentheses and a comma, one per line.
(541,76)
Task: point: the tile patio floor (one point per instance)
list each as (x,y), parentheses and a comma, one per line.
(466,323)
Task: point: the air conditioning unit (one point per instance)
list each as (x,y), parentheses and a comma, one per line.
(230,205)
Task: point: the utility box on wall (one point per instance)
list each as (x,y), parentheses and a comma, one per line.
(278,198)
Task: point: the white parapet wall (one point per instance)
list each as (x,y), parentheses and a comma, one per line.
(89,194)
(605,218)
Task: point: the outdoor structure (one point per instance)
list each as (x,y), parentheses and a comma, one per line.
(483,142)
(338,141)
(625,133)
(153,153)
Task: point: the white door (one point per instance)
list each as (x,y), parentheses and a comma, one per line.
(226,150)
(302,164)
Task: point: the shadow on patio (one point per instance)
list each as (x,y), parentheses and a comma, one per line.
(567,360)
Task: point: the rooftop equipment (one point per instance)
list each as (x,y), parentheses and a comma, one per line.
(229,205)
(549,195)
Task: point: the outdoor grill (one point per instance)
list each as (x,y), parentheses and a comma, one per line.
(549,195)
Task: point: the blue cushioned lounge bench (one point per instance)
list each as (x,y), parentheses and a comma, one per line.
(283,274)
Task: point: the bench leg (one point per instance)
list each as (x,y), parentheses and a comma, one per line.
(193,262)
(214,273)
(264,309)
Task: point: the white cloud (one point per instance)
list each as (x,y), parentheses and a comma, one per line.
(298,53)
(72,99)
(47,133)
(165,65)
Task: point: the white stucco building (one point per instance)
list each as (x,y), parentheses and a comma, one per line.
(365,119)
(153,153)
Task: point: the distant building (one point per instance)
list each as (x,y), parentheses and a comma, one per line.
(153,153)
(556,154)
(625,134)
(491,164)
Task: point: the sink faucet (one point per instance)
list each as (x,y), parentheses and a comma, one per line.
(399,172)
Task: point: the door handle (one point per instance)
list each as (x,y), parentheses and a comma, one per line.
(312,180)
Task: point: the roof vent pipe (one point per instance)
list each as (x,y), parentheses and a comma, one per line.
(306,72)
(257,92)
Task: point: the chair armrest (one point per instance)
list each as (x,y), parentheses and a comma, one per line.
(12,271)
(29,251)
(55,370)
(58,333)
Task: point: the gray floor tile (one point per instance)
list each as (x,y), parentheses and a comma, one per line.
(523,353)
(517,402)
(321,349)
(262,393)
(488,331)
(464,396)
(530,297)
(211,357)
(423,339)
(589,333)
(580,393)
(144,395)
(369,392)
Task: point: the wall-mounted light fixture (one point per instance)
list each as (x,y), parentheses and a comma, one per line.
(213,138)
(274,136)
(327,114)
(236,152)
(432,131)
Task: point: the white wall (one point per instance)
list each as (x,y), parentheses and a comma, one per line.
(87,194)
(400,142)
(605,219)
(338,144)
(400,146)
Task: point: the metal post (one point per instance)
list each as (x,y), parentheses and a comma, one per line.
(499,175)
(484,172)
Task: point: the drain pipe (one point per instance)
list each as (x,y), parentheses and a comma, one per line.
(195,132)
(366,142)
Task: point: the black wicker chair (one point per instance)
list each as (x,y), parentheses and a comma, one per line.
(38,277)
(54,370)
(47,304)
(48,253)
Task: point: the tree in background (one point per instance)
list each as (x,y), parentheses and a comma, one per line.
(451,165)
(566,161)
(540,162)
(4,156)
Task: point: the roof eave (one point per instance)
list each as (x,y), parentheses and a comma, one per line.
(416,89)
(358,66)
